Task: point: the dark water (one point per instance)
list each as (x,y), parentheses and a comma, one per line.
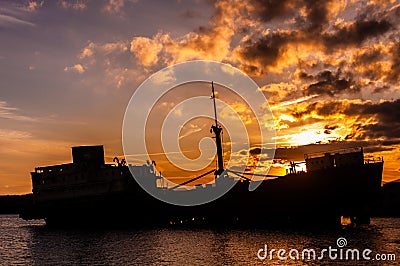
(33,243)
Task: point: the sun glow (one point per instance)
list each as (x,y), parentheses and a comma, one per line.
(313,134)
(307,137)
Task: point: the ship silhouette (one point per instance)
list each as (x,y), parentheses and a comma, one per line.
(89,192)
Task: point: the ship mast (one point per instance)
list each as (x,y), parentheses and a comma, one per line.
(217,131)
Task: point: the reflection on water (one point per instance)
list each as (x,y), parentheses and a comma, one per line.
(33,243)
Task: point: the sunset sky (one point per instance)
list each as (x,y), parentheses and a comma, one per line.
(329,69)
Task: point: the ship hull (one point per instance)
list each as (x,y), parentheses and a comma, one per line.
(317,198)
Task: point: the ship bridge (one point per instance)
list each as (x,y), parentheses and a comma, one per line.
(336,158)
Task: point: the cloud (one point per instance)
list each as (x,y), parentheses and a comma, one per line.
(113,60)
(78,68)
(212,42)
(114,6)
(381,2)
(381,89)
(298,32)
(6,20)
(307,13)
(258,56)
(329,128)
(308,49)
(88,51)
(268,10)
(103,50)
(294,101)
(278,93)
(193,127)
(34,5)
(355,34)
(8,112)
(394,75)
(283,48)
(14,135)
(333,83)
(146,50)
(387,123)
(250,37)
(372,62)
(77,5)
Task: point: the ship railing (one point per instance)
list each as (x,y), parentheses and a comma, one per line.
(332,152)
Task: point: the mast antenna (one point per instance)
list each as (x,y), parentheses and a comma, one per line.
(217,131)
(215,106)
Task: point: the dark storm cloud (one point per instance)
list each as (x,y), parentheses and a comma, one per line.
(332,108)
(355,34)
(304,76)
(330,83)
(371,62)
(269,9)
(321,109)
(313,26)
(388,116)
(328,128)
(316,12)
(389,110)
(369,56)
(299,114)
(391,142)
(379,130)
(368,62)
(381,89)
(267,50)
(394,75)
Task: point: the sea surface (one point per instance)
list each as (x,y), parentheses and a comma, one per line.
(32,243)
